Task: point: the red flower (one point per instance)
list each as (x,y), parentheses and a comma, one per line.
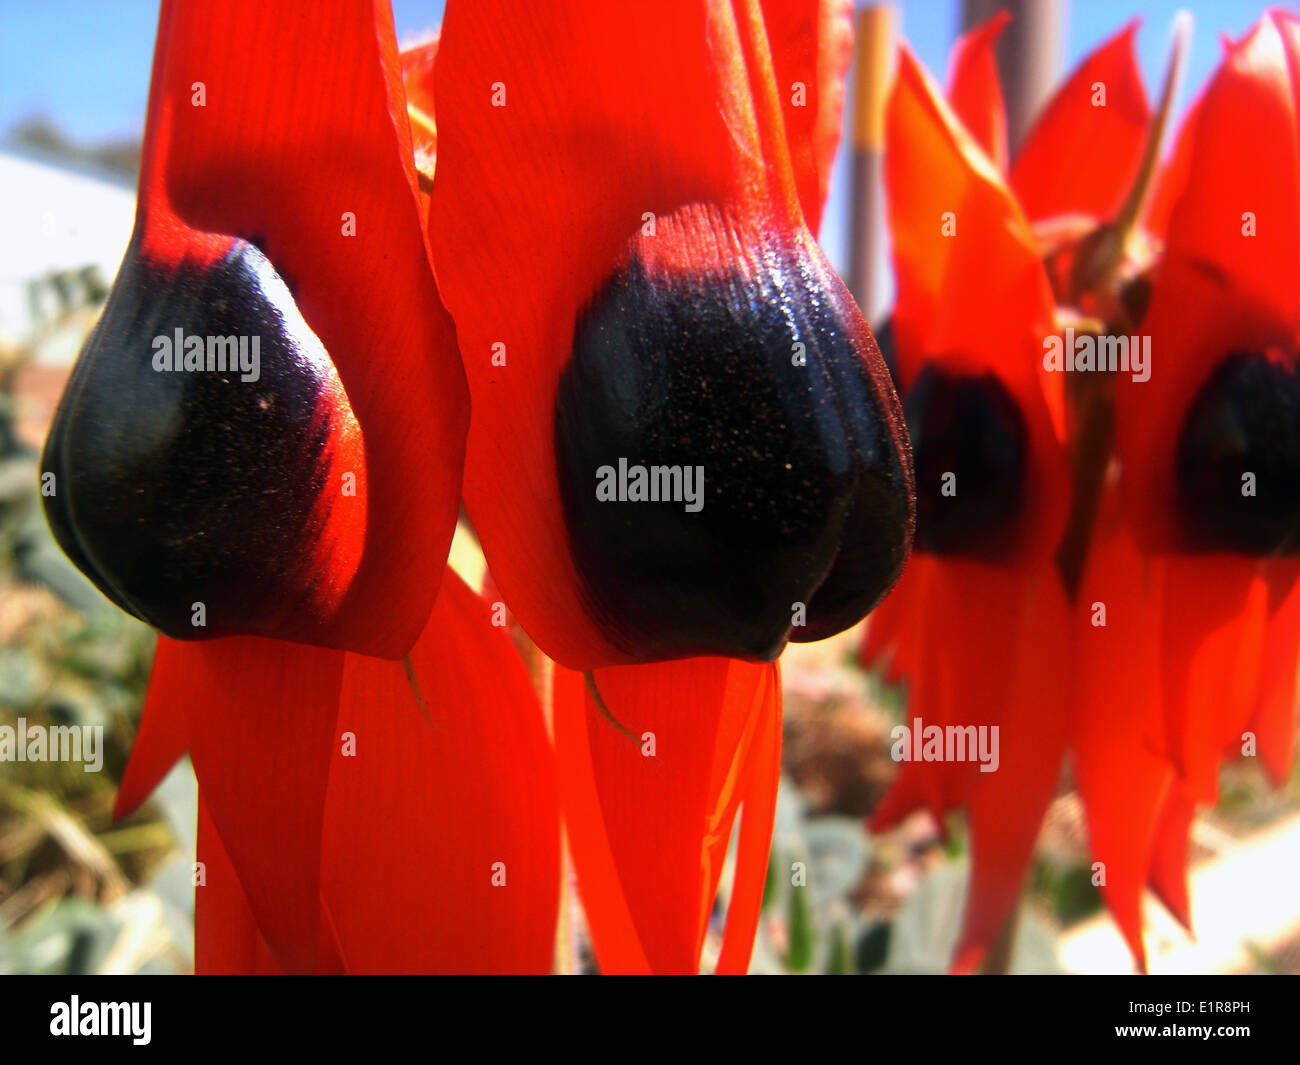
(319,781)
(1078,611)
(620,225)
(620,235)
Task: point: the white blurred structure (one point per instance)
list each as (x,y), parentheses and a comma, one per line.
(66,232)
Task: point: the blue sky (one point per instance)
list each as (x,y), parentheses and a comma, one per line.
(85,63)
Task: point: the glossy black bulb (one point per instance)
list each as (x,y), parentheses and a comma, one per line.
(1238,460)
(191,445)
(969,448)
(780,504)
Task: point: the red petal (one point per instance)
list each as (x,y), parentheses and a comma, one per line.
(306,123)
(1213,631)
(261,717)
(162,738)
(1253,99)
(425,814)
(1007,805)
(613,932)
(1080,158)
(1169,856)
(667,816)
(975,91)
(226,939)
(753,850)
(812,45)
(1122,774)
(1275,717)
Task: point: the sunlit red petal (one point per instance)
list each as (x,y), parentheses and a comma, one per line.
(812,44)
(974,90)
(1082,154)
(442,836)
(708,736)
(162,737)
(261,724)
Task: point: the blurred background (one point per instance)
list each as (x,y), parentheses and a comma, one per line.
(80,894)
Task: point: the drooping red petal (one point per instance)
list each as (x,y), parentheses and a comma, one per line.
(226,938)
(1275,717)
(613,932)
(707,738)
(1118,735)
(975,91)
(162,737)
(260,715)
(442,836)
(1082,154)
(1007,804)
(762,776)
(1213,630)
(812,46)
(562,254)
(1169,855)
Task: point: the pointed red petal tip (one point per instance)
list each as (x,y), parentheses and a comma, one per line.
(243,446)
(649,816)
(1081,155)
(975,91)
(162,738)
(628,494)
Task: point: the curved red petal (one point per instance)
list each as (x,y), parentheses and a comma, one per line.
(442,838)
(162,737)
(226,939)
(613,932)
(975,91)
(1006,804)
(261,724)
(1169,856)
(758,815)
(812,46)
(1083,152)
(668,799)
